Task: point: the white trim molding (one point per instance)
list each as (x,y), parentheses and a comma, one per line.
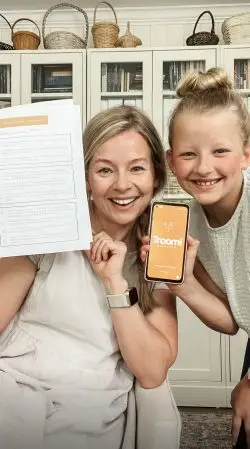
(146,15)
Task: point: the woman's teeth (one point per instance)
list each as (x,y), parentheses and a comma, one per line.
(123,202)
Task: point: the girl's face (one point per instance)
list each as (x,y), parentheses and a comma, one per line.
(121,180)
(207,156)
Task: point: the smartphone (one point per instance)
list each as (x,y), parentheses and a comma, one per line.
(168,242)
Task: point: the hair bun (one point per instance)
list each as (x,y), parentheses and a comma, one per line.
(214,78)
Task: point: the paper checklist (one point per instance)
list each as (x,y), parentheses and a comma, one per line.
(43,201)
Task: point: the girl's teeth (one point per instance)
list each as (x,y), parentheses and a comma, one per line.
(206,183)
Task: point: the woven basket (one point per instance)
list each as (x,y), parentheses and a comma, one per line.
(3,45)
(203,37)
(64,39)
(104,34)
(236,29)
(128,40)
(25,40)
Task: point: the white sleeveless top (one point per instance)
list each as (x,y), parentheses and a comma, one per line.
(225,253)
(62,345)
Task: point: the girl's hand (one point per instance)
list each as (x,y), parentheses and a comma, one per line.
(192,248)
(106,257)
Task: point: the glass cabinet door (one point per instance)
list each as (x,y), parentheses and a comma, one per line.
(168,68)
(237,65)
(56,76)
(122,78)
(9,80)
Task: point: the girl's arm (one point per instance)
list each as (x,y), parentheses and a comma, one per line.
(200,293)
(16,277)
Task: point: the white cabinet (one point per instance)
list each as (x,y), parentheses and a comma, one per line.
(168,67)
(9,79)
(27,77)
(208,363)
(119,77)
(236,61)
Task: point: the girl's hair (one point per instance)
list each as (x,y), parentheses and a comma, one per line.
(205,91)
(112,122)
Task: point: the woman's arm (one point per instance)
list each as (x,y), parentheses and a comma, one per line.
(148,343)
(16,277)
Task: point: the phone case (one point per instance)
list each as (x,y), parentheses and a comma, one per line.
(168,239)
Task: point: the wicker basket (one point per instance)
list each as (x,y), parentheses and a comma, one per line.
(104,34)
(128,40)
(236,29)
(65,39)
(3,45)
(203,37)
(25,40)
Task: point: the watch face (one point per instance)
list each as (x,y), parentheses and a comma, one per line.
(133,296)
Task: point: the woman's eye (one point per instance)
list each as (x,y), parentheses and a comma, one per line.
(188,155)
(137,168)
(104,170)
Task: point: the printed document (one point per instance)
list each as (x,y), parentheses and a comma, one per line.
(43,200)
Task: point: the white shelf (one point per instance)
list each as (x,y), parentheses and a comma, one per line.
(5,96)
(177,196)
(131,93)
(169,93)
(52,94)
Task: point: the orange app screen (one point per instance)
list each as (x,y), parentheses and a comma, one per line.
(167,242)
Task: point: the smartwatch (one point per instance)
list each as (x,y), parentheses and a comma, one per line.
(126,299)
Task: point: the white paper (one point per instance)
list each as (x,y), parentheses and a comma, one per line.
(43,200)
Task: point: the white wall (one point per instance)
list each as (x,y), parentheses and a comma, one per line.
(156,27)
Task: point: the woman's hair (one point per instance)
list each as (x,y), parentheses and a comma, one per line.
(112,122)
(205,91)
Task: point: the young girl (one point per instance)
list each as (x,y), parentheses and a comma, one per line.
(72,334)
(209,150)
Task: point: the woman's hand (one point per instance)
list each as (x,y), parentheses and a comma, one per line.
(106,257)
(192,248)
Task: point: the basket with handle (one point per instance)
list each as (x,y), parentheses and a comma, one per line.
(128,39)
(236,29)
(3,45)
(104,34)
(203,37)
(64,39)
(25,40)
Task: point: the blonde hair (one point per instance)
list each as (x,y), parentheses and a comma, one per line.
(101,128)
(205,91)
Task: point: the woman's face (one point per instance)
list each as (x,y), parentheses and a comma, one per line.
(121,180)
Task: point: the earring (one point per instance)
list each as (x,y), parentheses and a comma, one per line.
(91,197)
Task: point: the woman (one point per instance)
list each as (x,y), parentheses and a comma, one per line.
(71,340)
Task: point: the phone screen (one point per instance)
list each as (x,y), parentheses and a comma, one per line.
(168,235)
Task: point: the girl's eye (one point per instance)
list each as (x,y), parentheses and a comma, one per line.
(105,171)
(221,151)
(137,168)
